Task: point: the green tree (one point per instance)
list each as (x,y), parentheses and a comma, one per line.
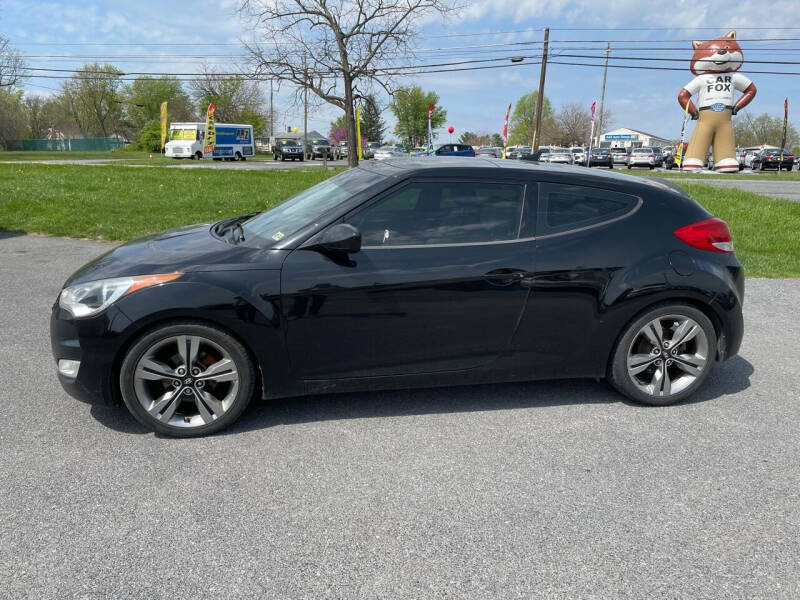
(497,140)
(523,120)
(93,97)
(12,116)
(410,108)
(145,95)
(149,137)
(372,126)
(338,123)
(35,116)
(763,129)
(237,100)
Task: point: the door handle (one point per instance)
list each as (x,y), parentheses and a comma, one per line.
(504,276)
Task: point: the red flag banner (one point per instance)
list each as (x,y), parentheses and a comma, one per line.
(594,107)
(430,112)
(505,127)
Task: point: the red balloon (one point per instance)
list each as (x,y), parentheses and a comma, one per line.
(451,129)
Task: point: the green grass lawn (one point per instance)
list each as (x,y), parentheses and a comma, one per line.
(121,203)
(765,230)
(127,156)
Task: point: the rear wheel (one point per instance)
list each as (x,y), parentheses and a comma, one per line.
(664,355)
(237,156)
(187,379)
(198,155)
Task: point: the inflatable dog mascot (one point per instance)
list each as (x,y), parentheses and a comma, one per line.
(715,62)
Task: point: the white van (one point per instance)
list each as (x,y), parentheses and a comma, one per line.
(234,141)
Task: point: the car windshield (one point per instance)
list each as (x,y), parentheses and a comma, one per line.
(320,142)
(309,205)
(560,150)
(387,149)
(288,143)
(643,151)
(602,151)
(374,144)
(577,149)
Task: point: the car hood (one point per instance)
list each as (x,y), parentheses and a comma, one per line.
(184,249)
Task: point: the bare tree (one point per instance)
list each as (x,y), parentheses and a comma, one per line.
(573,125)
(236,98)
(336,48)
(12,66)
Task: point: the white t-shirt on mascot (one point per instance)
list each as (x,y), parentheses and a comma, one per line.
(715,91)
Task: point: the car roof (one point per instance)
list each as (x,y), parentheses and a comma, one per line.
(444,166)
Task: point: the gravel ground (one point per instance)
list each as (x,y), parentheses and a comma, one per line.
(551,489)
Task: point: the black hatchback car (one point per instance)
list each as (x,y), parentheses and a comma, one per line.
(403,274)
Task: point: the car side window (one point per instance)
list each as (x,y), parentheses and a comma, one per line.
(565,207)
(425,213)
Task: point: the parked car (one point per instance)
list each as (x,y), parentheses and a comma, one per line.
(385,152)
(642,157)
(658,157)
(455,150)
(419,151)
(578,155)
(620,155)
(371,148)
(601,157)
(343,148)
(287,149)
(186,326)
(321,148)
(490,152)
(558,155)
(771,159)
(518,152)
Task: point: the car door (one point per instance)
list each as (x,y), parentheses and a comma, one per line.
(583,238)
(438,285)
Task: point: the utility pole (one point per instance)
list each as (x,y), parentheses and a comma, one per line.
(271,114)
(539,100)
(305,106)
(602,98)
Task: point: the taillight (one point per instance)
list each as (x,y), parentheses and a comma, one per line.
(651,156)
(710,234)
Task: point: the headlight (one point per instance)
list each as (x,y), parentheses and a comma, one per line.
(87,299)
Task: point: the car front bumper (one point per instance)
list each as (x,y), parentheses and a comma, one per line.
(94,343)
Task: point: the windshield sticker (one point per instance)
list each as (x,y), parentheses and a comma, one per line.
(278,236)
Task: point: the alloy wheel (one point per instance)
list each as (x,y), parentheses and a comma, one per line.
(667,355)
(186,381)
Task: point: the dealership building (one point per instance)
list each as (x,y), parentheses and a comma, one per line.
(630,138)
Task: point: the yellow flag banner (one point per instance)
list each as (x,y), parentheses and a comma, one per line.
(358,132)
(163,123)
(211,131)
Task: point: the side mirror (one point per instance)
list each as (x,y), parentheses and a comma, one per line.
(340,238)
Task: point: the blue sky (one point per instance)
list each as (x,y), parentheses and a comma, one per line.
(77,31)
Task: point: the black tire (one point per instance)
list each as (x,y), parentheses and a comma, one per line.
(629,167)
(198,155)
(302,159)
(237,156)
(283,159)
(617,373)
(652,167)
(237,352)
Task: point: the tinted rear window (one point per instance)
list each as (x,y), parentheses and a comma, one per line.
(564,207)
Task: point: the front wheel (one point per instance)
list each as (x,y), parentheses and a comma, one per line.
(664,355)
(187,379)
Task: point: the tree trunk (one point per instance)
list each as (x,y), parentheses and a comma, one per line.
(350,120)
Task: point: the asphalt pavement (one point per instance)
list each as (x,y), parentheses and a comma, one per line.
(549,489)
